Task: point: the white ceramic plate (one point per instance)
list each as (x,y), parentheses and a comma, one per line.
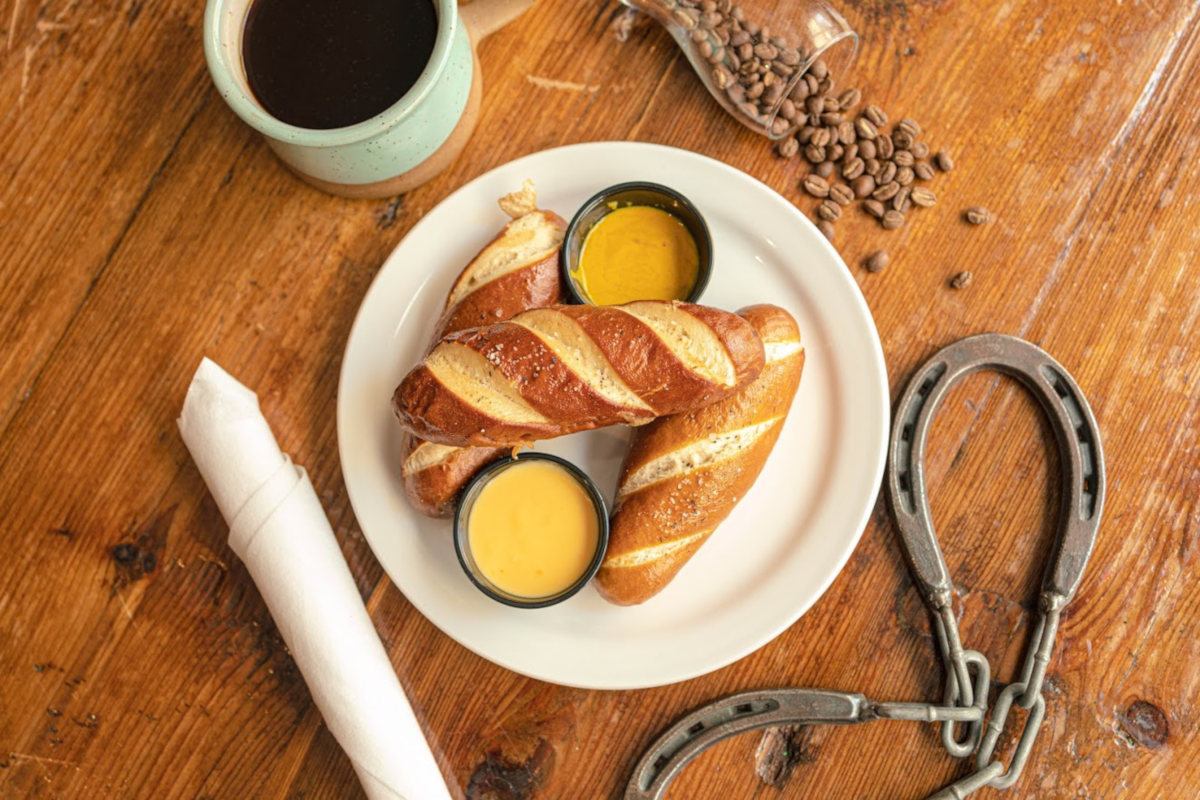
(784,543)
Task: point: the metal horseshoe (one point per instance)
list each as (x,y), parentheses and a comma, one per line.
(1083,480)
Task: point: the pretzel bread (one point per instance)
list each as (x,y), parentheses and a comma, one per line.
(684,474)
(562,369)
(516,271)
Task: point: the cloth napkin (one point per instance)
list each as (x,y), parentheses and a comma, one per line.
(278,528)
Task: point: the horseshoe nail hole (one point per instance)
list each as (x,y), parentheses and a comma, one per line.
(905,484)
(927,387)
(906,433)
(744,708)
(697,728)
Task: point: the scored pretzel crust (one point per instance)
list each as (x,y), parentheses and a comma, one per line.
(685,473)
(524,379)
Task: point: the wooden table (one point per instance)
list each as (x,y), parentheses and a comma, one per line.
(143,226)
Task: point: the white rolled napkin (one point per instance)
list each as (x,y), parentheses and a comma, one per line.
(279,529)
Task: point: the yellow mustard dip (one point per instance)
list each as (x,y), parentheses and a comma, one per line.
(532,530)
(638,253)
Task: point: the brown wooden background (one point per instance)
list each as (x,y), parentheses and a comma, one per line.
(142,225)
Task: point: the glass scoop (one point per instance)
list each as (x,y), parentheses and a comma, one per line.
(760,59)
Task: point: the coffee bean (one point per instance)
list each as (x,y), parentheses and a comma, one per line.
(887,172)
(901,140)
(892,219)
(865,129)
(779,126)
(841,194)
(787,147)
(820,137)
(886,191)
(876,261)
(829,210)
(705,49)
(814,104)
(765,51)
(832,118)
(874,208)
(853,168)
(919,149)
(923,197)
(699,34)
(903,158)
(901,202)
(738,38)
(904,176)
(819,70)
(851,153)
(814,153)
(834,152)
(846,132)
(831,105)
(825,169)
(909,126)
(885,146)
(787,109)
(977,215)
(867,149)
(799,92)
(849,99)
(687,17)
(875,115)
(872,166)
(943,161)
(816,186)
(923,170)
(790,57)
(826,228)
(863,185)
(962,280)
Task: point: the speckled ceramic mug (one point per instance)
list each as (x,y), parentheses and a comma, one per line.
(396,150)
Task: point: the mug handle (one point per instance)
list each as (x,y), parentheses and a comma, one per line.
(485,17)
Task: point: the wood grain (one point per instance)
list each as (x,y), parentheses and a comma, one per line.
(143,226)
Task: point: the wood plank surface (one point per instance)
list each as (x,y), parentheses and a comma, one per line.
(142,225)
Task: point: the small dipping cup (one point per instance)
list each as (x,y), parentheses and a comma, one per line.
(622,195)
(524,556)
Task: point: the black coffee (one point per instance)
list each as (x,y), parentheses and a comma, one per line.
(331,63)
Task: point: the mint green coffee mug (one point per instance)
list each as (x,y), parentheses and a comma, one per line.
(396,150)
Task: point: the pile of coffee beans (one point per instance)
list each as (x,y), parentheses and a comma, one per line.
(854,157)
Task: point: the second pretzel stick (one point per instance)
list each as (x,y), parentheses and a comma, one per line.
(684,474)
